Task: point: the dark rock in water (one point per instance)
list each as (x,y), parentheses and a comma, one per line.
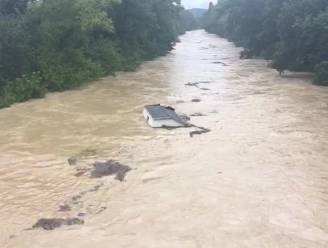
(72,161)
(196,100)
(51,224)
(64,208)
(111,167)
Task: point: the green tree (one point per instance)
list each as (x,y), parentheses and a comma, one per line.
(291,32)
(53,45)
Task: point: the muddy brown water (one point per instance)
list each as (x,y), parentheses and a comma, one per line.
(258,179)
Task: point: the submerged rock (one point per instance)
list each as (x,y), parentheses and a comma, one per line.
(196,100)
(111,167)
(51,224)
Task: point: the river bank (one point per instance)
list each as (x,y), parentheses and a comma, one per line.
(258,179)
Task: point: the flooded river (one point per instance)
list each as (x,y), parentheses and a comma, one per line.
(258,179)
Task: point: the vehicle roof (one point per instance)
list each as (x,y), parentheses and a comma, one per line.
(158,112)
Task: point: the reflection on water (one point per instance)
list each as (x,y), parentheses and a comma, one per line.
(259,178)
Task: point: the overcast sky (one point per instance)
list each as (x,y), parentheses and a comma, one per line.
(196,3)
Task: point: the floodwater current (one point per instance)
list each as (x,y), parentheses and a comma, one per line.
(258,179)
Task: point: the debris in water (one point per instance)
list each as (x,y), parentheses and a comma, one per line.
(51,224)
(76,198)
(88,153)
(146,180)
(156,117)
(96,188)
(111,167)
(221,63)
(80,173)
(83,154)
(196,84)
(102,209)
(64,208)
(192,84)
(72,161)
(197,114)
(185,117)
(199,132)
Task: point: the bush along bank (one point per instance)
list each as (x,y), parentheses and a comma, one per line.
(60,44)
(293,33)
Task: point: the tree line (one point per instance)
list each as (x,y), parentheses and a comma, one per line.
(54,45)
(293,33)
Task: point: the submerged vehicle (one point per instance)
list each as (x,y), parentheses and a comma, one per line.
(162,116)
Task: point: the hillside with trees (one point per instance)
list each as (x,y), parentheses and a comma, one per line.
(197,12)
(293,33)
(56,45)
(188,20)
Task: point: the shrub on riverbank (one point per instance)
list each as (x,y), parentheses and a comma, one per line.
(59,44)
(321,73)
(291,32)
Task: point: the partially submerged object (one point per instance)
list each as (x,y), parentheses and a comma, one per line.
(163,116)
(158,116)
(108,168)
(51,224)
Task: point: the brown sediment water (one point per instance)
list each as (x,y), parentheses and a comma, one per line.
(258,179)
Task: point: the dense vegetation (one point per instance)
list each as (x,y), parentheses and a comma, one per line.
(198,14)
(55,45)
(293,33)
(188,20)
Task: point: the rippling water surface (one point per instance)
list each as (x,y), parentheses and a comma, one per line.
(258,179)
